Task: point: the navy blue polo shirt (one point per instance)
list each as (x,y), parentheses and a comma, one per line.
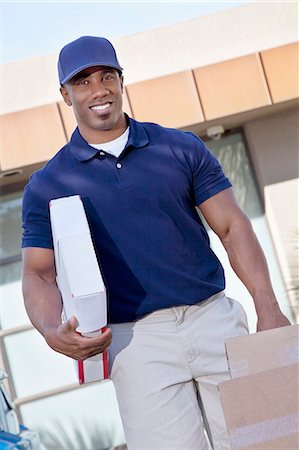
(152,247)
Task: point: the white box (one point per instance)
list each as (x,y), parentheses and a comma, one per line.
(79,279)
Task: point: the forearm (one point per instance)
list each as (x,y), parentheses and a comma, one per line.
(42,302)
(245,254)
(249,263)
(44,306)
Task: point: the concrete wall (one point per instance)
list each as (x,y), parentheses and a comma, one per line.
(281,201)
(208,39)
(194,43)
(274,144)
(190,98)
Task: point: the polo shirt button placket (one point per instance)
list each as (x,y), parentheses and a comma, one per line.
(119,165)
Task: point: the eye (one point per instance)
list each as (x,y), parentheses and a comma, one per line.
(83,81)
(108,76)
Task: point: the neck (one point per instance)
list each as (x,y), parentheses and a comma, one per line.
(95,136)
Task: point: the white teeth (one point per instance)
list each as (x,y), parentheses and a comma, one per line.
(101,107)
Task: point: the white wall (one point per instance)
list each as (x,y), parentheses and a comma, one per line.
(281,201)
(273,143)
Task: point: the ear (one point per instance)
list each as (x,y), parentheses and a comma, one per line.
(121,79)
(65,95)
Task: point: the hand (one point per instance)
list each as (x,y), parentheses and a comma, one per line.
(66,340)
(271,318)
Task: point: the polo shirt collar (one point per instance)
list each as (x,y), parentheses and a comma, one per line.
(83,151)
(138,136)
(80,148)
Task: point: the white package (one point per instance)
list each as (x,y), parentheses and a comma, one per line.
(79,278)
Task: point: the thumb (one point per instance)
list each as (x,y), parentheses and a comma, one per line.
(72,323)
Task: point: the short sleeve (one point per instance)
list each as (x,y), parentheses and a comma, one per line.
(208,176)
(35,220)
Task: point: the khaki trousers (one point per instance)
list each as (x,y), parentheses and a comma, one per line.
(166,368)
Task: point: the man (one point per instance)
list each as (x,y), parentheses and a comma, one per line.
(140,184)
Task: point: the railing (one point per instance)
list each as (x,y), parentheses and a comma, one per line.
(19,401)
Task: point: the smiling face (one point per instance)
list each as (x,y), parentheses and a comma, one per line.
(96,96)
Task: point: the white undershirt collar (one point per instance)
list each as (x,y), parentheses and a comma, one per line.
(116,146)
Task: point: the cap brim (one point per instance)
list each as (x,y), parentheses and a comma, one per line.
(86,66)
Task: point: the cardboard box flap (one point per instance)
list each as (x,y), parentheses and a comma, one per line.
(264,350)
(77,254)
(262,407)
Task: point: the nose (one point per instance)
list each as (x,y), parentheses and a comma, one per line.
(99,89)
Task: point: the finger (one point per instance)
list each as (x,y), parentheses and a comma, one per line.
(86,345)
(101,343)
(106,335)
(82,347)
(94,345)
(107,331)
(84,353)
(93,352)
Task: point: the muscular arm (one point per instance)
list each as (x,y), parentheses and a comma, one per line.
(245,254)
(43,305)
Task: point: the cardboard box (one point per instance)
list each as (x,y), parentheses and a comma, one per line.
(263,351)
(261,410)
(261,402)
(79,279)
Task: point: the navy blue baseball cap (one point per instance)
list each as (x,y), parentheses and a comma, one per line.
(87,51)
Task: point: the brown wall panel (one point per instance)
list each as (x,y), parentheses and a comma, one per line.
(126,104)
(69,119)
(281,69)
(232,86)
(30,136)
(171,100)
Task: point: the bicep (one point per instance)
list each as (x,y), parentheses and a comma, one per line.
(39,261)
(221,212)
